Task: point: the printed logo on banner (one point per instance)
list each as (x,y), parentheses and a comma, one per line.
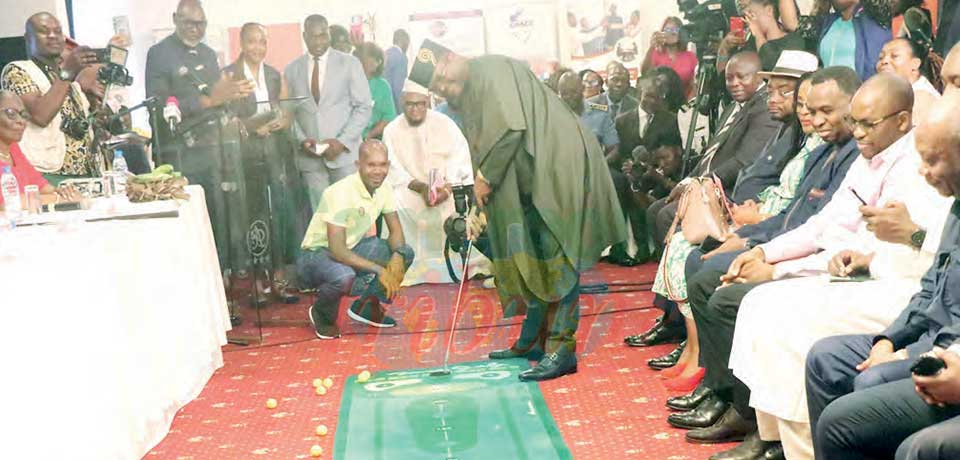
(521,25)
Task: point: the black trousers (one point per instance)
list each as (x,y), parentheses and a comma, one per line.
(715,312)
(888,420)
(660,216)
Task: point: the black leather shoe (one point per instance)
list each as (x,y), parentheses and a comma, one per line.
(660,335)
(554,365)
(731,427)
(774,451)
(752,448)
(705,415)
(656,325)
(690,401)
(669,360)
(534,354)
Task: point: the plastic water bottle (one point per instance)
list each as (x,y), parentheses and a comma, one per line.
(120,170)
(11,194)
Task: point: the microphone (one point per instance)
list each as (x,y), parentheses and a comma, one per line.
(171,113)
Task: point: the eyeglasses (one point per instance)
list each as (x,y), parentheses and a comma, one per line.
(416,105)
(14,115)
(867,126)
(772,92)
(671,30)
(187,24)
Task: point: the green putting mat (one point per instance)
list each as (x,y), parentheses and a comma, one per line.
(480,411)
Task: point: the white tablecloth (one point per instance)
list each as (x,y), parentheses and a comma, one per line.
(109,329)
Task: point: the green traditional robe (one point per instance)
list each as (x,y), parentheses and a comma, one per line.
(553,209)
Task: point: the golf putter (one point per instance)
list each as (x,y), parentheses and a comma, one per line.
(456,312)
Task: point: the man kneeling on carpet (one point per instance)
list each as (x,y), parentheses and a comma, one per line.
(342,253)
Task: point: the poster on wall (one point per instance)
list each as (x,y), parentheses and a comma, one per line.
(524,31)
(598,33)
(461,31)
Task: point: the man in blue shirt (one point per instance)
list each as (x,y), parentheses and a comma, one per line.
(593,115)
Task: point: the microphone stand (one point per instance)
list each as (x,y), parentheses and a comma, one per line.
(267,194)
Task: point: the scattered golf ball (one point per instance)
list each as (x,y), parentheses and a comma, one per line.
(317,382)
(316,451)
(363,377)
(321,430)
(271,403)
(321,390)
(328,382)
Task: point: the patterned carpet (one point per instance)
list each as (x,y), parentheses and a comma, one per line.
(612,409)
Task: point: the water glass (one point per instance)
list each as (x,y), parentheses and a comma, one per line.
(32,202)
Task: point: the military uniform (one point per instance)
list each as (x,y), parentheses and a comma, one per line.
(597,117)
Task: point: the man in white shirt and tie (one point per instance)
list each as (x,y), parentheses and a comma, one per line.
(336,106)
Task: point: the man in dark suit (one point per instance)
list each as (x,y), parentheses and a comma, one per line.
(647,128)
(744,128)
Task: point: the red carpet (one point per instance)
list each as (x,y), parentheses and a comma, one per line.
(613,408)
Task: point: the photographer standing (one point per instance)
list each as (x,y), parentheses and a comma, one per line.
(669,48)
(51,84)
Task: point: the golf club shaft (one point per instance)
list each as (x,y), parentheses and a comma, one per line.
(456,307)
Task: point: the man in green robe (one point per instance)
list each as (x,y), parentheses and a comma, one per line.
(543,185)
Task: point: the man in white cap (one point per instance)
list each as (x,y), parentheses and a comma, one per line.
(429,155)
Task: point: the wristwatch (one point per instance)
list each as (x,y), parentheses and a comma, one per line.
(66,76)
(918,237)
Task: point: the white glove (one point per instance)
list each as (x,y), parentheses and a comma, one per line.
(476,223)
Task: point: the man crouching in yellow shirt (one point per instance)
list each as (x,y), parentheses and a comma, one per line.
(342,253)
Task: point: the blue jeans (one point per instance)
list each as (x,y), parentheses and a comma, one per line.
(333,280)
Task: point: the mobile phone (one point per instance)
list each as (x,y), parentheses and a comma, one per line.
(737,26)
(858,196)
(709,244)
(928,366)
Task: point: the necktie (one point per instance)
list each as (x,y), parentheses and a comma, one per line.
(712,150)
(315,80)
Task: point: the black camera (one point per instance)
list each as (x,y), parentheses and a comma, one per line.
(455,227)
(707,21)
(76,128)
(114,74)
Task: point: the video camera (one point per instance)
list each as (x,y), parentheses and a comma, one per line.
(113,71)
(707,20)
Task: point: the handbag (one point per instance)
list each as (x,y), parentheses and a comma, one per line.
(703,211)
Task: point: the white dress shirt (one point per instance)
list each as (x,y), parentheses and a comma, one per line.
(262,93)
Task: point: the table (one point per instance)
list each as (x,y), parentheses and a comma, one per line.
(109,329)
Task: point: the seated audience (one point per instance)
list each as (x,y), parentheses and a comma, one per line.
(646,129)
(592,83)
(384,111)
(340,257)
(907,58)
(877,365)
(423,143)
(743,129)
(826,168)
(670,281)
(885,171)
(52,85)
(668,47)
(13,122)
(593,116)
(618,98)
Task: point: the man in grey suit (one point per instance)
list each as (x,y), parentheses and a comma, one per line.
(328,124)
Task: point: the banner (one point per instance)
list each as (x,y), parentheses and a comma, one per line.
(525,31)
(461,31)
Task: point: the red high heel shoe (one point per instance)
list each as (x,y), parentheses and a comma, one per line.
(686,384)
(673,371)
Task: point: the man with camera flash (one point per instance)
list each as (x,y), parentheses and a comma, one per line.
(52,84)
(428,156)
